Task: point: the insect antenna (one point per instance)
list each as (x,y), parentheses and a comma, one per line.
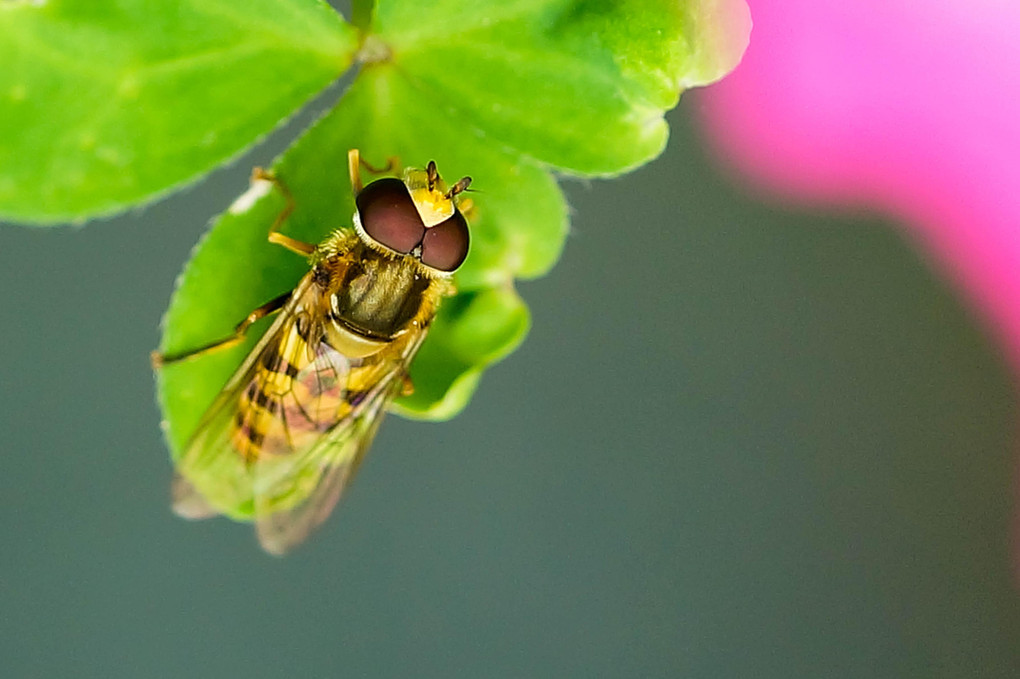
(433,174)
(460,187)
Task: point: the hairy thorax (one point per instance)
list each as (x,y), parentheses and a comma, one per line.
(374,296)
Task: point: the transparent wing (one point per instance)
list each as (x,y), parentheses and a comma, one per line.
(215,465)
(187,502)
(290,428)
(327,468)
(294,496)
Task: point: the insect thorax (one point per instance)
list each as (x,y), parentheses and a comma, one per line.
(379,295)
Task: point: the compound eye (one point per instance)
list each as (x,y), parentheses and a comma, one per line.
(388,215)
(446,244)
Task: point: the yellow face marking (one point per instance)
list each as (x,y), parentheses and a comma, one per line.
(432,203)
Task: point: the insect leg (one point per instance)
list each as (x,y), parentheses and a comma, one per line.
(354,170)
(406,385)
(355,162)
(275,237)
(392,163)
(159,360)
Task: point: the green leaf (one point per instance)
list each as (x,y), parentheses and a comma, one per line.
(502,92)
(579,85)
(109,104)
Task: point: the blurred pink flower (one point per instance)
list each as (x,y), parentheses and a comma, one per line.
(910,107)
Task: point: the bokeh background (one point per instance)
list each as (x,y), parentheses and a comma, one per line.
(742,439)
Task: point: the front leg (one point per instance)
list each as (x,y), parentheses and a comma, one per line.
(355,162)
(275,237)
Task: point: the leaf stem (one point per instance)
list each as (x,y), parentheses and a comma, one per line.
(361,14)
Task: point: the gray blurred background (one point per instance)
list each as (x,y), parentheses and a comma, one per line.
(741,440)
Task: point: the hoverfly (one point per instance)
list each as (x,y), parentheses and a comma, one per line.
(302,409)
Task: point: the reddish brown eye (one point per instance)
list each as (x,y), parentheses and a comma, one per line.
(446,244)
(388,215)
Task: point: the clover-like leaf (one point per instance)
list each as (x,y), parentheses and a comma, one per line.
(502,91)
(107,105)
(103,105)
